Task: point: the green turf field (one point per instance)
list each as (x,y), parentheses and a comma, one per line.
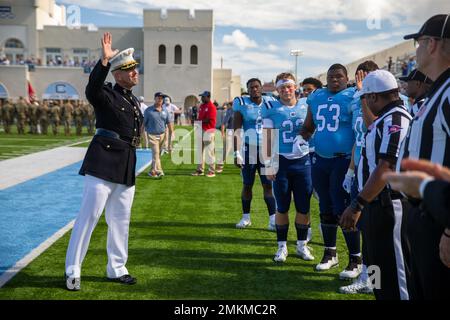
(184,245)
(15,145)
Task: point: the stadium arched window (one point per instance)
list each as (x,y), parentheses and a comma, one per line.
(194,54)
(162,54)
(14,44)
(178,52)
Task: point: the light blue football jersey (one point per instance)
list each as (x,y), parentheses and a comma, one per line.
(358,126)
(252,117)
(332,117)
(289,121)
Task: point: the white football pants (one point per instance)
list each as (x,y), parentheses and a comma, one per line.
(117,198)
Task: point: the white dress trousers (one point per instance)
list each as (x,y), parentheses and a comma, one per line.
(117,198)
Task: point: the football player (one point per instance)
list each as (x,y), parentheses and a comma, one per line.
(248,122)
(290,156)
(330,118)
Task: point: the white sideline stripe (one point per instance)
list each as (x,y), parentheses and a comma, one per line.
(22,263)
(20,169)
(142,169)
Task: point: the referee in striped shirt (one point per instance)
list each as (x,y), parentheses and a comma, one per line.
(429,138)
(382,209)
(417,88)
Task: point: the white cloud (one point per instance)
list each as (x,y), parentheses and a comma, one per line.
(289,14)
(318,55)
(263,65)
(272,48)
(112,14)
(338,28)
(239,39)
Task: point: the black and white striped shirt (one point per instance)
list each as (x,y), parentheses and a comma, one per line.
(429,133)
(383,139)
(416,106)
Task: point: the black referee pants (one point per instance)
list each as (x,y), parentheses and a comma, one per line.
(386,244)
(430,278)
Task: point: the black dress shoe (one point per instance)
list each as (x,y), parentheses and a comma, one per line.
(125,279)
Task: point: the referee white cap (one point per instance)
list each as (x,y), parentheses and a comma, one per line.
(376,82)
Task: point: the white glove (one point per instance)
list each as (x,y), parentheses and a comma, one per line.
(348,181)
(300,145)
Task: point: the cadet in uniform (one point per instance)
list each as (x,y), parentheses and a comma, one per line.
(78,114)
(55,113)
(89,112)
(66,116)
(43,117)
(7,115)
(33,116)
(109,165)
(21,115)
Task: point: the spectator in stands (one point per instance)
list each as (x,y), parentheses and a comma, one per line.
(390,64)
(404,69)
(411,64)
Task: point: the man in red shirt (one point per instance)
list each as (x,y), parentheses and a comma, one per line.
(207,115)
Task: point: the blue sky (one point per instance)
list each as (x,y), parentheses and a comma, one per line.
(255,37)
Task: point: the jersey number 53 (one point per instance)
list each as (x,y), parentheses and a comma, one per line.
(334,110)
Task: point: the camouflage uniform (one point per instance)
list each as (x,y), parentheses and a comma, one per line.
(33,116)
(21,115)
(7,115)
(55,114)
(90,114)
(66,117)
(78,114)
(44,112)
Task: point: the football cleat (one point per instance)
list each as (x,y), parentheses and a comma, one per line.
(72,284)
(272,226)
(304,252)
(309,236)
(329,260)
(281,254)
(198,173)
(244,223)
(353,269)
(359,286)
(210,174)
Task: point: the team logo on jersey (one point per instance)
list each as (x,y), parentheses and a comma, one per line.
(292,114)
(330,99)
(394,128)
